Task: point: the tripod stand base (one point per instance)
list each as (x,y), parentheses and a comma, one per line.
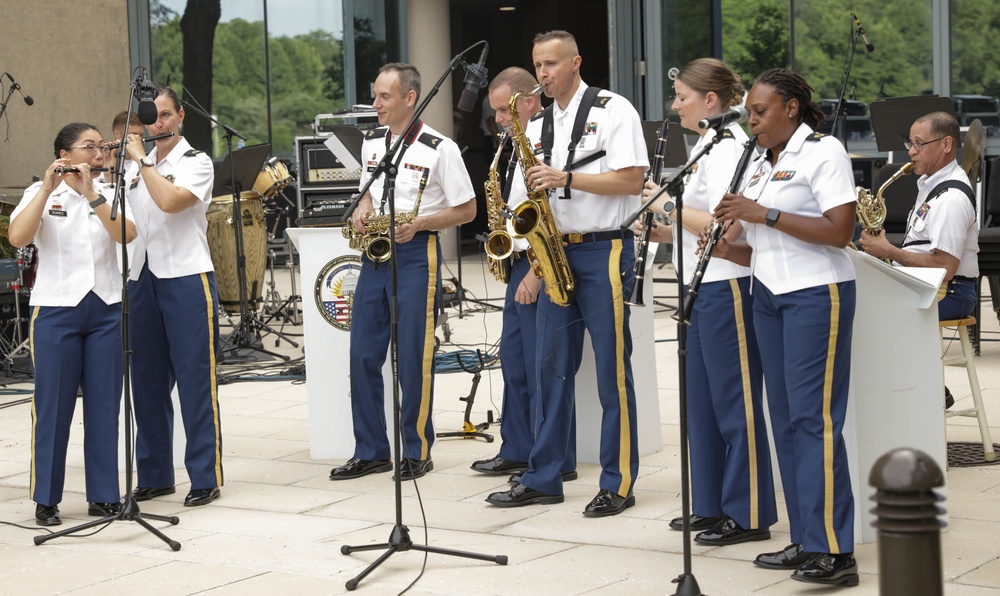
(399,541)
(471,431)
(130,512)
(687,585)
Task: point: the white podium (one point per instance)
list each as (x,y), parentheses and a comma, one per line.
(647,399)
(328,268)
(896,380)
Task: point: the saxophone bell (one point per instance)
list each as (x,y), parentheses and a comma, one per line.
(499,245)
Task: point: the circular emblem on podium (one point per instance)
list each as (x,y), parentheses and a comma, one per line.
(334,290)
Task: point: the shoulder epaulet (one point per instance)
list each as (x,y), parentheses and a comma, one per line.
(726,134)
(191,153)
(540,114)
(815,136)
(376,133)
(601,101)
(430,140)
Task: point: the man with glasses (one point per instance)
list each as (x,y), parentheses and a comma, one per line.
(941,229)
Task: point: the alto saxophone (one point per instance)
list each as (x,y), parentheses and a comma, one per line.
(499,244)
(533,220)
(374,241)
(871,210)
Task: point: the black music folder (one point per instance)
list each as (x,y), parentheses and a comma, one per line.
(892,118)
(247,164)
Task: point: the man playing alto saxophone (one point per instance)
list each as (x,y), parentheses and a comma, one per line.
(517,340)
(941,229)
(595,186)
(432,169)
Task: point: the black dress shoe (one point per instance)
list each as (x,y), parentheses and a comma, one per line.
(608,503)
(566,477)
(949,399)
(697,522)
(520,495)
(498,465)
(201,496)
(47,516)
(103,509)
(728,531)
(790,557)
(829,570)
(411,468)
(356,468)
(145,494)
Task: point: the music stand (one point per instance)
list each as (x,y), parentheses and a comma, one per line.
(892,118)
(238,171)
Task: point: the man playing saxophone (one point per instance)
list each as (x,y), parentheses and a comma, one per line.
(941,229)
(594,182)
(431,169)
(517,339)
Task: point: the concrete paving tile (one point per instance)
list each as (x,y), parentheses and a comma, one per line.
(267,497)
(266,471)
(279,584)
(175,577)
(256,448)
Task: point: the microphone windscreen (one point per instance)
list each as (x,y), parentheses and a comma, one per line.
(28,100)
(467,102)
(147,112)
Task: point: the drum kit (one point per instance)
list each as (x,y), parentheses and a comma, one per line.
(262,199)
(18,279)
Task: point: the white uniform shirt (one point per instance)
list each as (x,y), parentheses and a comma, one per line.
(174,244)
(448,182)
(703,190)
(813,175)
(947,222)
(75,252)
(614,128)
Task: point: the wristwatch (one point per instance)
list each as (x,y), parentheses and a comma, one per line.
(146,162)
(772,217)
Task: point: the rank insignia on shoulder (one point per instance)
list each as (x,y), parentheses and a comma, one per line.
(191,153)
(602,101)
(539,115)
(430,140)
(815,136)
(376,133)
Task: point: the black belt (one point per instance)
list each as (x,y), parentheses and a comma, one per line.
(575,238)
(518,254)
(962,278)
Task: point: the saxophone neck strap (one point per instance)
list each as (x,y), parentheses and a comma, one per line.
(508,181)
(588,101)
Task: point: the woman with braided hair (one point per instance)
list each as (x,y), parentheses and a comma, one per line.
(798,210)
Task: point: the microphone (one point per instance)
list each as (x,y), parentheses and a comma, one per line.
(861,30)
(735,114)
(146,92)
(117,144)
(27,98)
(475,79)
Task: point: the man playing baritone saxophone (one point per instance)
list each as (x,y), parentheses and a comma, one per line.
(941,230)
(431,172)
(589,202)
(517,340)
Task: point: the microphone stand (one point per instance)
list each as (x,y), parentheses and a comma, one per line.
(246,335)
(6,100)
(129,508)
(687,585)
(839,128)
(399,539)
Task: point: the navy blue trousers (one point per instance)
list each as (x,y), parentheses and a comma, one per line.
(78,347)
(517,355)
(959,301)
(805,347)
(419,288)
(175,337)
(727,432)
(603,272)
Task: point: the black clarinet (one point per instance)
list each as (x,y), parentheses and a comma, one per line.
(642,245)
(715,232)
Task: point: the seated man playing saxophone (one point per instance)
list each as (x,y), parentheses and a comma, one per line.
(941,230)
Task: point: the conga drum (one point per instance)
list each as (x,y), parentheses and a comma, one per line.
(222,245)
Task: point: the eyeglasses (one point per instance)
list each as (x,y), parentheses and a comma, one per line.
(918,145)
(93,149)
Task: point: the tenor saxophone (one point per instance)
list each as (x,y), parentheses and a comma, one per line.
(499,244)
(871,210)
(533,220)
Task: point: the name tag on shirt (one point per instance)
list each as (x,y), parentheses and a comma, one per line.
(57,212)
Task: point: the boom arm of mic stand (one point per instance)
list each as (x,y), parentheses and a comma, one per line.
(674,185)
(839,128)
(383,165)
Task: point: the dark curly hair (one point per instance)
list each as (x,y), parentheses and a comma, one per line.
(789,86)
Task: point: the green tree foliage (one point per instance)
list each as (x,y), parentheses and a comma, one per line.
(301,83)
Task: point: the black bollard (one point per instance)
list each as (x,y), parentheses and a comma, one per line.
(909,531)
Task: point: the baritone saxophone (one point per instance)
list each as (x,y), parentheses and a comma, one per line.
(533,220)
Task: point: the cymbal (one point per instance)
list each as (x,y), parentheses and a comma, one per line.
(972,150)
